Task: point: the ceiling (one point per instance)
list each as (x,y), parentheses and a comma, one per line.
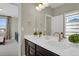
(15,4)
(55,5)
(8,10)
(11,9)
(52,5)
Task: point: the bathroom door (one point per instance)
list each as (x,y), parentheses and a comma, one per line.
(48,24)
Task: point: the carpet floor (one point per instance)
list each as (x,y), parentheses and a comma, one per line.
(9,49)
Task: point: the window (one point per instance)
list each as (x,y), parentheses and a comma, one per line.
(71,24)
(3,23)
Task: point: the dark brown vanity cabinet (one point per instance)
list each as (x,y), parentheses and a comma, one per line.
(32,49)
(29,48)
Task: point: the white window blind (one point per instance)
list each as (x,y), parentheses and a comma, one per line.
(71,24)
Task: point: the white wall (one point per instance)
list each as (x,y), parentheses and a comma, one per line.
(14,26)
(29,14)
(19,30)
(67,7)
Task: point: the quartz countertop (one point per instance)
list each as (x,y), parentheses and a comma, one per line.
(51,43)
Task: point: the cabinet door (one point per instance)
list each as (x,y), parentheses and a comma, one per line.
(32,49)
(32,45)
(45,52)
(29,48)
(38,54)
(26,47)
(32,52)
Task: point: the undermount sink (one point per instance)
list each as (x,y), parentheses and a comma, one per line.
(64,44)
(54,42)
(49,38)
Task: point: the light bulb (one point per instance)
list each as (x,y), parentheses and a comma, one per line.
(41,6)
(45,4)
(1,9)
(37,8)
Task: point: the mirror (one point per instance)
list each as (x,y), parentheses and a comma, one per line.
(48,24)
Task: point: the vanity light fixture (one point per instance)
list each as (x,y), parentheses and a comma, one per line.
(41,6)
(1,9)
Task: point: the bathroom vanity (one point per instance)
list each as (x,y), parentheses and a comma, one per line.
(32,49)
(49,46)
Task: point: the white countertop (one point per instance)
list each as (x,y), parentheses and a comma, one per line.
(51,43)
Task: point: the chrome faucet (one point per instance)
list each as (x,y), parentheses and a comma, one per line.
(60,35)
